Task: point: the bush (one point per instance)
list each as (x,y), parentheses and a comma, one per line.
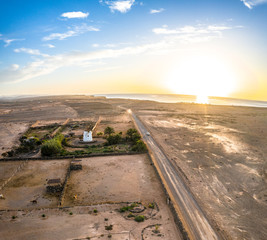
(109,130)
(113,139)
(136,137)
(109,227)
(130,132)
(130,215)
(151,205)
(139,218)
(95,211)
(53,146)
(140,146)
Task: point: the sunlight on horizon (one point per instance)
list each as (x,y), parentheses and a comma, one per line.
(202,99)
(202,76)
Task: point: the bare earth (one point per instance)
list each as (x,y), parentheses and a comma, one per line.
(220,152)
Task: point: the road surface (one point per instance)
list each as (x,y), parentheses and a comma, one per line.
(193,218)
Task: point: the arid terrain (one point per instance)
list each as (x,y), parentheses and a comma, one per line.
(93,197)
(220,151)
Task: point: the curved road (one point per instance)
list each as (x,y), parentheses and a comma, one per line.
(193,218)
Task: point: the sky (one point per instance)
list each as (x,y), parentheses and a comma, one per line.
(203,48)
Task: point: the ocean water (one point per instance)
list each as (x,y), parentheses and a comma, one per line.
(174,98)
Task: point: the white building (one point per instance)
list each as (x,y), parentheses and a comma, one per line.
(87,136)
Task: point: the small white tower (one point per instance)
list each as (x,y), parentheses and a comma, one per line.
(87,136)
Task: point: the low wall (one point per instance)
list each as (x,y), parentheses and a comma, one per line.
(70,156)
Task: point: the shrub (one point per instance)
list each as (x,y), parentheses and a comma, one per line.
(70,213)
(43,215)
(109,236)
(130,133)
(113,139)
(109,130)
(53,146)
(95,211)
(109,227)
(139,218)
(14,217)
(151,205)
(140,146)
(130,215)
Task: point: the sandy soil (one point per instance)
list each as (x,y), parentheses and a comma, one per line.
(113,179)
(221,154)
(83,223)
(120,123)
(17,115)
(102,180)
(9,135)
(29,183)
(219,151)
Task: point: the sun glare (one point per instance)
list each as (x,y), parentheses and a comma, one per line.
(202,99)
(202,76)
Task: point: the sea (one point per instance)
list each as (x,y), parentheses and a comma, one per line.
(177,98)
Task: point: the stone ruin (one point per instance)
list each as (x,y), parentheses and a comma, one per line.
(76,165)
(54,185)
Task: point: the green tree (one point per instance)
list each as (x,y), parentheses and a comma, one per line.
(114,139)
(130,133)
(140,146)
(109,130)
(136,137)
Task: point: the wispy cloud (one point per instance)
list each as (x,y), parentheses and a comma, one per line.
(172,38)
(252,3)
(9,41)
(197,33)
(30,51)
(49,45)
(50,63)
(77,30)
(75,14)
(122,6)
(153,11)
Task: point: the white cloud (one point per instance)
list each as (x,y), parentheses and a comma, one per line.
(197,33)
(95,45)
(75,14)
(172,38)
(49,45)
(51,63)
(77,30)
(122,6)
(9,41)
(153,11)
(30,51)
(252,3)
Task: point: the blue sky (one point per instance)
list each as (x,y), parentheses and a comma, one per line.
(128,46)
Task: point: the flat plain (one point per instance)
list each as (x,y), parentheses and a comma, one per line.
(220,151)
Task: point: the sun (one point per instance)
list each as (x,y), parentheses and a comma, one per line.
(202,76)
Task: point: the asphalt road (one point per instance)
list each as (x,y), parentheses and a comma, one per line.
(193,218)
